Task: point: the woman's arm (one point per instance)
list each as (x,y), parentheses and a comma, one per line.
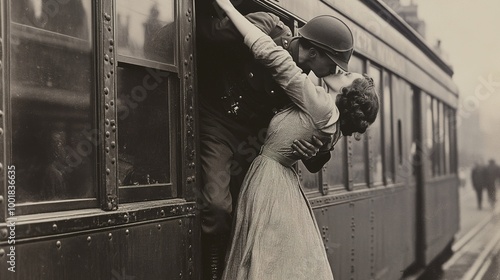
(240,22)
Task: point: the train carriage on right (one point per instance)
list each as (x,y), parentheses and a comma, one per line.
(387,205)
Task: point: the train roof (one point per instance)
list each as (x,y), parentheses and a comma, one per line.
(384,38)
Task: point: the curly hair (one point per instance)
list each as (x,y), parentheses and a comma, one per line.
(358,104)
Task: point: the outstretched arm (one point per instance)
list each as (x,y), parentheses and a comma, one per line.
(240,22)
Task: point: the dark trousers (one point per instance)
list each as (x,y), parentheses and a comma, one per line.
(479,195)
(492,194)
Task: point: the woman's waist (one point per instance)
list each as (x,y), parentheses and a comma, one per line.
(283,159)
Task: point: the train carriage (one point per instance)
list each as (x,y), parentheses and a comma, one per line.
(99,143)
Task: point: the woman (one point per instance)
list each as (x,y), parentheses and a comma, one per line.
(275,234)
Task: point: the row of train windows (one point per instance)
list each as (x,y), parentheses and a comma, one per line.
(53,101)
(387,152)
(55,143)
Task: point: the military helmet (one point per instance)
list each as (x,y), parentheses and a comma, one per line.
(331,35)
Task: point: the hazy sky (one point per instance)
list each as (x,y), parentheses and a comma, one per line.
(470,33)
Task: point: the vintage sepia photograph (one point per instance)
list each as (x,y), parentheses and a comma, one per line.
(249,139)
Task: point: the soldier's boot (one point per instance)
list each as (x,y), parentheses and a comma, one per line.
(213,254)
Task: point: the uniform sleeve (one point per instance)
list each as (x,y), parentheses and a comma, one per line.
(223,30)
(312,99)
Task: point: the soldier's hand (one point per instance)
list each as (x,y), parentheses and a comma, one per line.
(305,149)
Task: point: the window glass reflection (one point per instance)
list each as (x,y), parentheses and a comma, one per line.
(143,123)
(358,147)
(375,131)
(146,29)
(309,181)
(63,17)
(388,136)
(335,174)
(54,137)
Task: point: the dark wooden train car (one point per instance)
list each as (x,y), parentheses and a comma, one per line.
(98,143)
(98,134)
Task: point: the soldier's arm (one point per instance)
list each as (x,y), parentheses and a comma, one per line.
(308,152)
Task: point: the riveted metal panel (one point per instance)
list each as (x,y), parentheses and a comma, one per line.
(334,224)
(107,104)
(361,237)
(441,215)
(147,251)
(188,102)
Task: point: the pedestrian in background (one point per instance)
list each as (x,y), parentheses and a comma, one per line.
(478,178)
(492,173)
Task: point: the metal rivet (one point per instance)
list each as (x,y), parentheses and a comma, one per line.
(106,106)
(1,131)
(108,171)
(58,244)
(112,61)
(1,166)
(106,90)
(158,226)
(106,122)
(113,144)
(108,134)
(108,75)
(106,57)
(162,213)
(1,113)
(113,122)
(110,236)
(111,49)
(109,28)
(127,232)
(250,75)
(54,227)
(107,149)
(112,103)
(1,199)
(2,253)
(111,42)
(109,221)
(89,239)
(113,160)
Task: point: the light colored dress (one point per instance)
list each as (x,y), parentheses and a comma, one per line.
(275,234)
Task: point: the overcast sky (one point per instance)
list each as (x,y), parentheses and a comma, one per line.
(469,31)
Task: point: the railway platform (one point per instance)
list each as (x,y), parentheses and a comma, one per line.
(476,250)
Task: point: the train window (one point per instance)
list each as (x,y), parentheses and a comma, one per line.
(61,17)
(446,139)
(143,127)
(435,137)
(309,181)
(359,154)
(386,96)
(375,133)
(441,139)
(52,101)
(147,30)
(453,143)
(429,137)
(335,175)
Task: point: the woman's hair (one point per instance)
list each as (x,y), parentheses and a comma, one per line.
(358,105)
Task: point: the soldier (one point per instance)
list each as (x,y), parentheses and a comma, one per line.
(238,97)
